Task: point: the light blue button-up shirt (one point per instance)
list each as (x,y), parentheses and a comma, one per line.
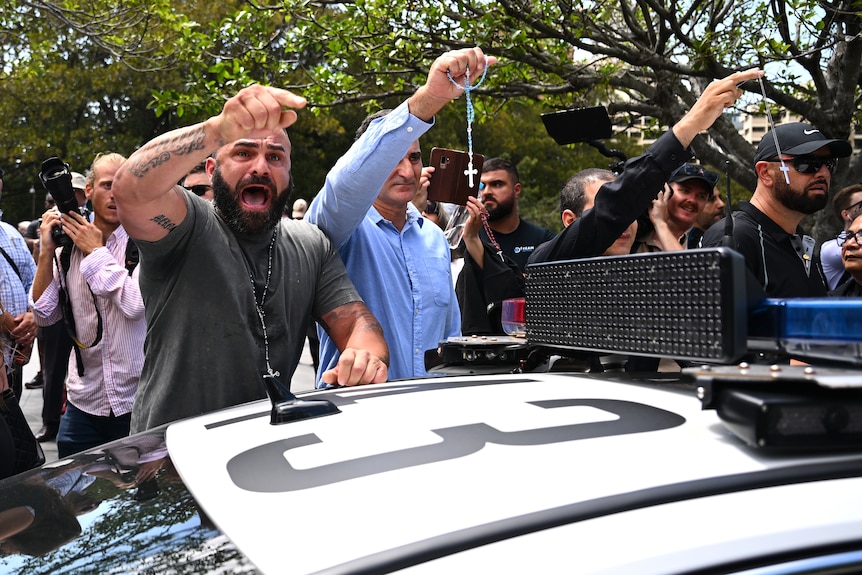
(404,277)
(14,291)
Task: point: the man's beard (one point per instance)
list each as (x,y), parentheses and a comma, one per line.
(242,221)
(502,210)
(797,200)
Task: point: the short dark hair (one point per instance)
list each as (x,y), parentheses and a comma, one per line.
(841,200)
(367,121)
(572,196)
(494,164)
(198,169)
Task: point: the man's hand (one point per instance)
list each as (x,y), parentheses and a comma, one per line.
(718,96)
(84,234)
(256,112)
(474,245)
(24,328)
(50,219)
(438,89)
(659,217)
(359,337)
(425,183)
(356,367)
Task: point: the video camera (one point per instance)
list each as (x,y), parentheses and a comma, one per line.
(57,179)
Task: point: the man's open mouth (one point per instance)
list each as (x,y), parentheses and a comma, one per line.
(255,197)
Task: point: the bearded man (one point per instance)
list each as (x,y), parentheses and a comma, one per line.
(500,189)
(793,180)
(229,285)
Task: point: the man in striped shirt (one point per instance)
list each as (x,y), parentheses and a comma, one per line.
(105,314)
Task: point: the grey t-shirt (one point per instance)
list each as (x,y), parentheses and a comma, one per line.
(204,347)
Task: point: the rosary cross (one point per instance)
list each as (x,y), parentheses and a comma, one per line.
(471,113)
(470,171)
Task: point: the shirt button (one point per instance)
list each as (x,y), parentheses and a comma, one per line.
(409,129)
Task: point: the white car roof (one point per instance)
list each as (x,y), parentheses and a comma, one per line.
(407,466)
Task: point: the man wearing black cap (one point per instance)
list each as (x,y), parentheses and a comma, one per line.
(674,212)
(794,164)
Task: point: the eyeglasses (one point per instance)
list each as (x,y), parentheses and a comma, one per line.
(846,235)
(200,189)
(853,207)
(810,164)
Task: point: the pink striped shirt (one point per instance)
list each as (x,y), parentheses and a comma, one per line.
(112,367)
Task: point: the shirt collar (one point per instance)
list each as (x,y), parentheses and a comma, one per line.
(413,216)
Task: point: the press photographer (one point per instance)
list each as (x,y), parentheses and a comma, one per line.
(87,278)
(54,343)
(57,179)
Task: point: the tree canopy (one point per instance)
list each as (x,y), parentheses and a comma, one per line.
(639,58)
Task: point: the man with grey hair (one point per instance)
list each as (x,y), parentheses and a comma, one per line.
(398,261)
(579,192)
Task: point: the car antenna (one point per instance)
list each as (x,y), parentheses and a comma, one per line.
(286,407)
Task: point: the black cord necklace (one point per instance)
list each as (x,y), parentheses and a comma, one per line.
(258,304)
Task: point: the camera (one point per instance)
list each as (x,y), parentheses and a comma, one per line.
(57,179)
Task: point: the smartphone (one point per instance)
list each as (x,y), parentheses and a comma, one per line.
(450,182)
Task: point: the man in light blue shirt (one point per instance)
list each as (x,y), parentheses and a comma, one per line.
(17,325)
(398,260)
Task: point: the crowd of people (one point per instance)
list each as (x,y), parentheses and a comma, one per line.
(190,281)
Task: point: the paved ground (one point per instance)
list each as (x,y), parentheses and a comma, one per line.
(31,402)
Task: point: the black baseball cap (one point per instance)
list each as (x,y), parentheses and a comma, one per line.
(694,172)
(798,139)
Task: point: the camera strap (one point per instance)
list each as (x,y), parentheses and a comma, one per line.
(64,263)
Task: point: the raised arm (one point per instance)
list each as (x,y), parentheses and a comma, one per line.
(149,202)
(719,95)
(354,182)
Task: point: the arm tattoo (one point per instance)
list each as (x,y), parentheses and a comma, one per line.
(157,153)
(361,318)
(164,222)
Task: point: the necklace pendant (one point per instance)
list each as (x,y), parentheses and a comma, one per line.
(270,373)
(470,172)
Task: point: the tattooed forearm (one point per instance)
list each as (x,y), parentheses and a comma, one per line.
(160,151)
(352,320)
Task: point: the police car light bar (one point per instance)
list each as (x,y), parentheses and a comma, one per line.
(809,328)
(687,305)
(783,406)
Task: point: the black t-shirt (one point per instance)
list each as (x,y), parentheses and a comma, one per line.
(850,288)
(519,244)
(770,254)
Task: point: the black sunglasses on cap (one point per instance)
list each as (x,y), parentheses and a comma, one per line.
(810,164)
(689,171)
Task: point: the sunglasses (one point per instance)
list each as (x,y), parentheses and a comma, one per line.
(810,164)
(695,171)
(200,189)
